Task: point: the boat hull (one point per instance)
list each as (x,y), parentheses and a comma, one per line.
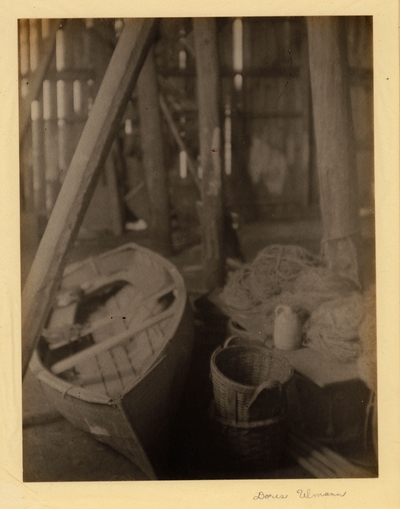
(138,423)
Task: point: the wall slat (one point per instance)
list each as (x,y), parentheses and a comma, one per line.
(51,143)
(65,101)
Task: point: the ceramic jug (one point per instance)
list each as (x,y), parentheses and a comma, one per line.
(287,328)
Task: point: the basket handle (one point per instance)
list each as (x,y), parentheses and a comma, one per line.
(227,341)
(265,385)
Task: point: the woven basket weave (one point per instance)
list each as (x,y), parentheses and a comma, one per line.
(249,382)
(256,445)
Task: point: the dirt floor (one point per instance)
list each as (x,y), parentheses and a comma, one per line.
(53,450)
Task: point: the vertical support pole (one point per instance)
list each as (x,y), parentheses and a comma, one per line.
(51,142)
(93,55)
(335,144)
(80,86)
(113,191)
(65,98)
(153,157)
(213,258)
(37,125)
(25,141)
(303,102)
(241,184)
(38,161)
(26,172)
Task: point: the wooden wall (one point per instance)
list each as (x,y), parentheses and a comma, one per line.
(268,155)
(61,64)
(273,173)
(359,43)
(277,112)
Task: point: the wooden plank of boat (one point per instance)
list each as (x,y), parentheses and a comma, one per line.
(112,372)
(156,336)
(125,368)
(98,348)
(110,375)
(88,375)
(140,352)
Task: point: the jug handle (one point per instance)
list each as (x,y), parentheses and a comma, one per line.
(279,309)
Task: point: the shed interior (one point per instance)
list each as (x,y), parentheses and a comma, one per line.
(225,146)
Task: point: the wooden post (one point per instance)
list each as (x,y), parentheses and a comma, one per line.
(153,157)
(82,61)
(335,144)
(213,258)
(113,192)
(25,140)
(37,126)
(74,197)
(51,143)
(26,172)
(38,164)
(65,100)
(302,147)
(92,53)
(179,140)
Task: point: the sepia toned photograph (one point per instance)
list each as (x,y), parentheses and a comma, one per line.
(198,269)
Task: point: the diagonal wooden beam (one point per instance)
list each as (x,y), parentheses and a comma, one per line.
(74,197)
(178,139)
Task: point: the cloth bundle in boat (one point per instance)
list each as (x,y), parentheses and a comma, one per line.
(249,382)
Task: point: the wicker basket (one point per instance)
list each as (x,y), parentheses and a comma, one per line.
(257,445)
(249,382)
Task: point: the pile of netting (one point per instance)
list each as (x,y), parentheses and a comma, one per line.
(274,269)
(285,274)
(333,328)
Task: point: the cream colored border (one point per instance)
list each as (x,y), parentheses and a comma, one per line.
(382,493)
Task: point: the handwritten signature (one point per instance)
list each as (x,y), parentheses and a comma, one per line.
(308,494)
(262,496)
(301,494)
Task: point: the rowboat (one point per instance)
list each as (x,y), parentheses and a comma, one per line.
(115,351)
